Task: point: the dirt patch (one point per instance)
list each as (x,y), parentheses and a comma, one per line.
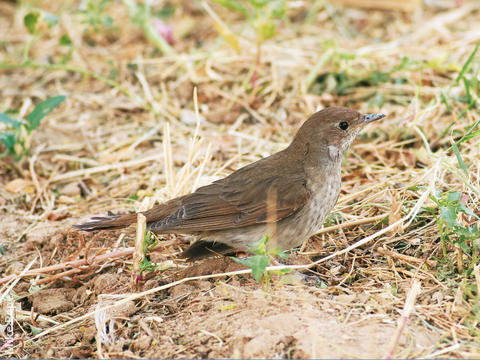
(53,301)
(226,317)
(290,322)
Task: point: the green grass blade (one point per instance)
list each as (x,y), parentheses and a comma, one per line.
(42,110)
(470,134)
(233,5)
(459,159)
(467,63)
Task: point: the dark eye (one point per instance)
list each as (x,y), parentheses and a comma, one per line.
(343,125)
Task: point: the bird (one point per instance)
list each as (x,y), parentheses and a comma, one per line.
(291,191)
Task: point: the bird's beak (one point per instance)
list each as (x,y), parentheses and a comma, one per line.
(368,118)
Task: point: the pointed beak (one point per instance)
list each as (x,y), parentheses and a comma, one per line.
(368,118)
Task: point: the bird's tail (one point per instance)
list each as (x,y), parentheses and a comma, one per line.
(111,221)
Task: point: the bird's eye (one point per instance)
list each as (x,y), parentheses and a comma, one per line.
(343,125)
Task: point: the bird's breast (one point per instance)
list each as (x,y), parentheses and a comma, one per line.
(306,222)
(323,201)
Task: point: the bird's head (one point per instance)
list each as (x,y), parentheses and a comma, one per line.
(332,130)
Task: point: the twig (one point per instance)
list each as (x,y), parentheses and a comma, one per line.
(366,220)
(74,264)
(65,67)
(138,253)
(402,322)
(104,168)
(26,270)
(406,258)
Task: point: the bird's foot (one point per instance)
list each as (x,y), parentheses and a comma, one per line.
(296,277)
(310,280)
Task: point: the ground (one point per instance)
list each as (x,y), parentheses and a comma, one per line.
(144,121)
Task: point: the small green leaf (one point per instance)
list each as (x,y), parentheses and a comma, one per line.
(258,264)
(165,12)
(259,247)
(43,109)
(464,209)
(454,197)
(108,21)
(467,233)
(65,40)
(8,139)
(278,9)
(146,266)
(35,330)
(266,30)
(51,19)
(4,118)
(463,246)
(259,3)
(150,240)
(449,215)
(30,21)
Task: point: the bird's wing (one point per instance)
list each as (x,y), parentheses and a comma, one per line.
(236,202)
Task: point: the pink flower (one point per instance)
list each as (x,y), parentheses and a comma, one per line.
(164,30)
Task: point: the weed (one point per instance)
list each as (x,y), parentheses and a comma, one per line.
(343,77)
(261,259)
(34,22)
(140,15)
(469,76)
(146,266)
(147,269)
(37,22)
(261,15)
(16,138)
(94,14)
(333,219)
(465,238)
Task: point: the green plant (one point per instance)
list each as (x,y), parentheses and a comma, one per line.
(261,259)
(38,22)
(146,269)
(465,238)
(141,16)
(262,15)
(469,77)
(149,242)
(345,78)
(94,14)
(16,138)
(33,22)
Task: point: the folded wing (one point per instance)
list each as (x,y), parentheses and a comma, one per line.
(236,202)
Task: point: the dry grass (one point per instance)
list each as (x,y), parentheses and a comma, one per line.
(124,143)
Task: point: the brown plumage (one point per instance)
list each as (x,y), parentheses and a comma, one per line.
(232,212)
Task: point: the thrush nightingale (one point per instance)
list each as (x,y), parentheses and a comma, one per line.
(288,194)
